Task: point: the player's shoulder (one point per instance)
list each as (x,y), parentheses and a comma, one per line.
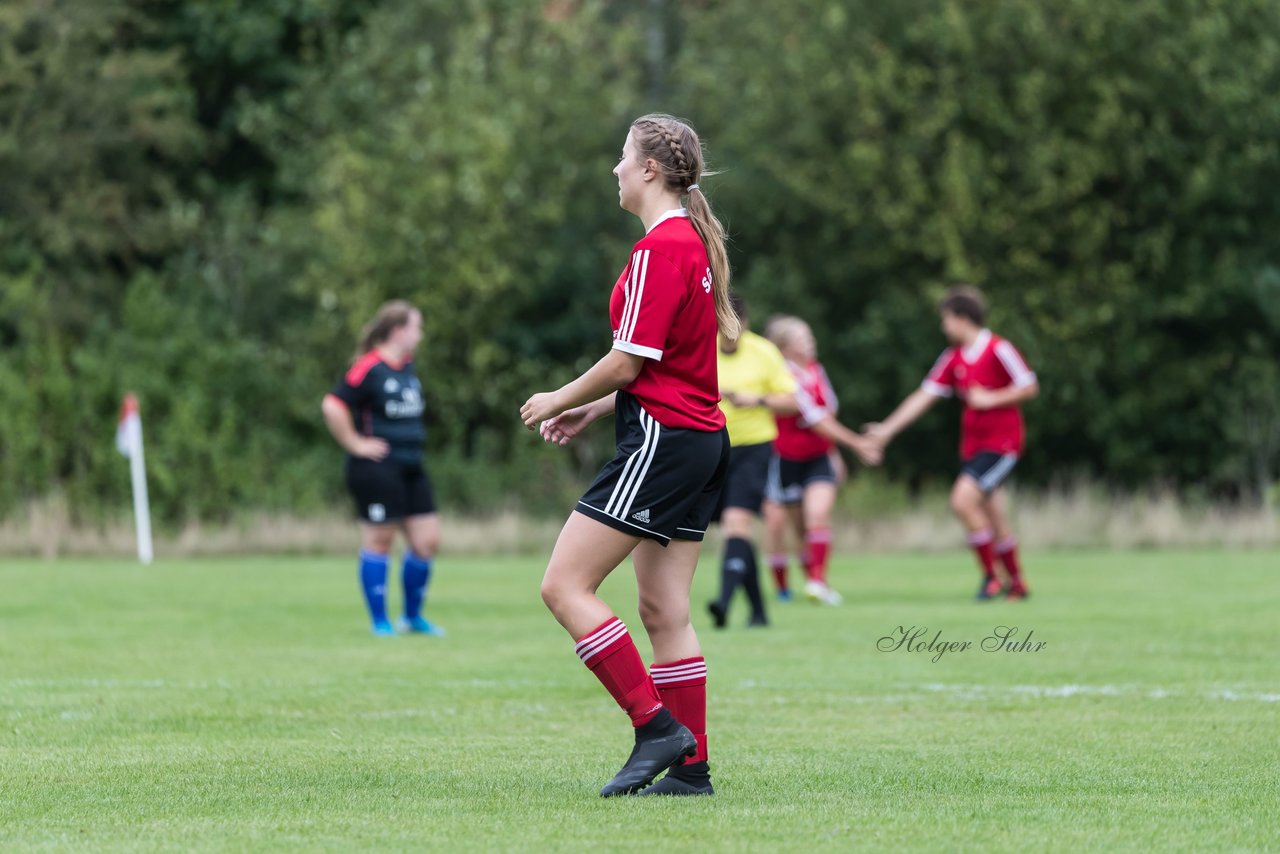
(946,357)
(674,238)
(1000,342)
(362,367)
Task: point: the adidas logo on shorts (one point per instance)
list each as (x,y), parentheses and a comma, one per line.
(642,516)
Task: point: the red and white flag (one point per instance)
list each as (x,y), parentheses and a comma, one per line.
(129,430)
(129,441)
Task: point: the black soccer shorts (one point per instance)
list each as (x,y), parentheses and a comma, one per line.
(788,478)
(748,476)
(989,469)
(663,483)
(388,491)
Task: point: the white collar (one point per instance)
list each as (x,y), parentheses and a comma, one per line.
(668,215)
(979,344)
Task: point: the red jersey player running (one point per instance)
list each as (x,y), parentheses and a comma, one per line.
(803,479)
(989,375)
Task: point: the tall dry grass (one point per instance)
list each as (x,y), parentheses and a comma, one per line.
(1078,517)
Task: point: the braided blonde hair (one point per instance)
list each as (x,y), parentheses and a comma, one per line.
(674,146)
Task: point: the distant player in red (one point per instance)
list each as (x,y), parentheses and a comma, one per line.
(804,476)
(989,375)
(655,498)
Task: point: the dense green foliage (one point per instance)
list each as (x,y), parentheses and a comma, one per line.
(204,201)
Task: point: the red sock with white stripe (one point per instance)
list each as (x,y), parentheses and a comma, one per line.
(612,656)
(1007,551)
(818,551)
(682,686)
(778,563)
(980,542)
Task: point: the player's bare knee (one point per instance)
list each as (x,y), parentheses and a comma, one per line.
(378,542)
(425,546)
(661,617)
(553,595)
(965,500)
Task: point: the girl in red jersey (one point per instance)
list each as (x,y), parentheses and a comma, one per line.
(803,477)
(655,498)
(989,375)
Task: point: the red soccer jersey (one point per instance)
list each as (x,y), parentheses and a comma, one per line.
(989,362)
(662,308)
(817,399)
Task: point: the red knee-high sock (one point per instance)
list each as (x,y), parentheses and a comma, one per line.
(682,685)
(980,542)
(1007,551)
(778,563)
(818,541)
(612,656)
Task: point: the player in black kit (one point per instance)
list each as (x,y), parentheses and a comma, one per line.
(375,413)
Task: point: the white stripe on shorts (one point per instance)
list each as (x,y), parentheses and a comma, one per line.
(625,491)
(997,472)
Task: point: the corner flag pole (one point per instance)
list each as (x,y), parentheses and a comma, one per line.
(129,442)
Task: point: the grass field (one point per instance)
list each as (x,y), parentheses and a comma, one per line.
(241,705)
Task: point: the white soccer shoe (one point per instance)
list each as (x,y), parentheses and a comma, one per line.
(820,594)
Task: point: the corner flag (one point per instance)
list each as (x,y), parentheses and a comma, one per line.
(129,442)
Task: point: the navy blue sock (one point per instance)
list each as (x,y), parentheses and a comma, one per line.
(373,580)
(415,576)
(737,553)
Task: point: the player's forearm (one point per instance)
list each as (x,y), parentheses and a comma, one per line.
(916,404)
(338,419)
(831,429)
(781,404)
(604,406)
(602,380)
(1014,395)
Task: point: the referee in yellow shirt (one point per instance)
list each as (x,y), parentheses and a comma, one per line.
(755,385)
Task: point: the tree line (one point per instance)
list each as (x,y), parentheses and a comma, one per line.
(203,202)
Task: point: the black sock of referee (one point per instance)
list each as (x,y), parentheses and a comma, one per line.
(751,583)
(737,557)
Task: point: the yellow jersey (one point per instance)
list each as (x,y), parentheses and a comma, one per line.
(755,368)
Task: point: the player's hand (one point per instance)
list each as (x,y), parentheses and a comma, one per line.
(559,429)
(742,399)
(869,451)
(372,448)
(876,434)
(538,408)
(981,398)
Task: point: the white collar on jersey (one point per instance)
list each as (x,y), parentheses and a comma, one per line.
(979,344)
(666,216)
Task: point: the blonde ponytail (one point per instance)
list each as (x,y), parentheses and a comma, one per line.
(674,145)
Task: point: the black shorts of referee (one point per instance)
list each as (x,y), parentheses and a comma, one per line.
(788,478)
(748,477)
(389,490)
(663,483)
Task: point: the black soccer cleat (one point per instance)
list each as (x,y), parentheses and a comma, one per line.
(661,743)
(684,780)
(718,614)
(991,588)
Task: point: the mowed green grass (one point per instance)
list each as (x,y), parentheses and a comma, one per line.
(240,704)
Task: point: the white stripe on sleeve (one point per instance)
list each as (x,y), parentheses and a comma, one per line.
(1021,375)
